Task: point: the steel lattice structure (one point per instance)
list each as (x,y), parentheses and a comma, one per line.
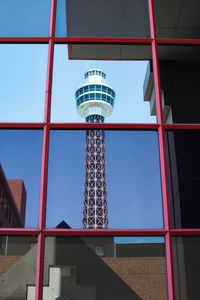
(95,101)
(95,211)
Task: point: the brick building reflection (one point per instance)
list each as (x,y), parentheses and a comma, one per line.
(12,201)
(88,268)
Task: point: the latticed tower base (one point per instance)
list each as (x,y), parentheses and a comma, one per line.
(95,211)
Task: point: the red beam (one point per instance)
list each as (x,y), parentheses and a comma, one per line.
(24,40)
(18,231)
(182,232)
(181,126)
(39,267)
(107,232)
(44,174)
(22,125)
(169,263)
(112,126)
(176,42)
(95,40)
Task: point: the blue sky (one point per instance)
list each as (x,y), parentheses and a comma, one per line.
(23,82)
(29,18)
(138,239)
(125,77)
(20,157)
(133,179)
(132,158)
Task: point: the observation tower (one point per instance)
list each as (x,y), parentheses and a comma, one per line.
(95,101)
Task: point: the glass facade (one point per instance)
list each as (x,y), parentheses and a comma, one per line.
(94,207)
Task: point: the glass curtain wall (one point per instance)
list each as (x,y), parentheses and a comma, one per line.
(99,132)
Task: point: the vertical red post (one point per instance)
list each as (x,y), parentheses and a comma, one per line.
(39,267)
(44,175)
(45,149)
(50,62)
(169,262)
(163,165)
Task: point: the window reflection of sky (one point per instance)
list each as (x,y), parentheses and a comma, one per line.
(125,77)
(24,18)
(20,157)
(23,82)
(138,239)
(132,174)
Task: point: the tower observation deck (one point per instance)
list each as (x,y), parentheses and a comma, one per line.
(95,101)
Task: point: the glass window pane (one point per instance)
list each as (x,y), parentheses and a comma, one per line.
(23,82)
(17,266)
(186,266)
(20,167)
(113,52)
(130,83)
(123,185)
(93,18)
(179,71)
(183,160)
(177,19)
(112,268)
(24,18)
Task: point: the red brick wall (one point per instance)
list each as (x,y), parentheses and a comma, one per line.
(6,262)
(145,275)
(19,194)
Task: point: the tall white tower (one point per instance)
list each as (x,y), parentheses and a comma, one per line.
(95,101)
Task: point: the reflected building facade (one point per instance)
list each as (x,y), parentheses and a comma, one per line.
(12,201)
(95,101)
(74,266)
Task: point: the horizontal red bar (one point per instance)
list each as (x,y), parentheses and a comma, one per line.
(178,41)
(185,232)
(145,126)
(96,40)
(22,125)
(18,231)
(181,126)
(86,40)
(24,40)
(112,232)
(103,126)
(108,232)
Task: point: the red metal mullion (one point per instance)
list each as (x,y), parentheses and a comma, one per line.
(21,125)
(18,231)
(50,63)
(111,126)
(44,165)
(39,267)
(169,263)
(101,40)
(152,19)
(177,41)
(181,126)
(182,232)
(164,178)
(157,86)
(42,214)
(161,137)
(49,82)
(44,174)
(108,232)
(24,40)
(157,83)
(166,211)
(52,19)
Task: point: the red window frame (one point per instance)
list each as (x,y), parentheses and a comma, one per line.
(160,127)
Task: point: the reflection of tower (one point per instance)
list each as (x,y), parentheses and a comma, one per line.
(95,101)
